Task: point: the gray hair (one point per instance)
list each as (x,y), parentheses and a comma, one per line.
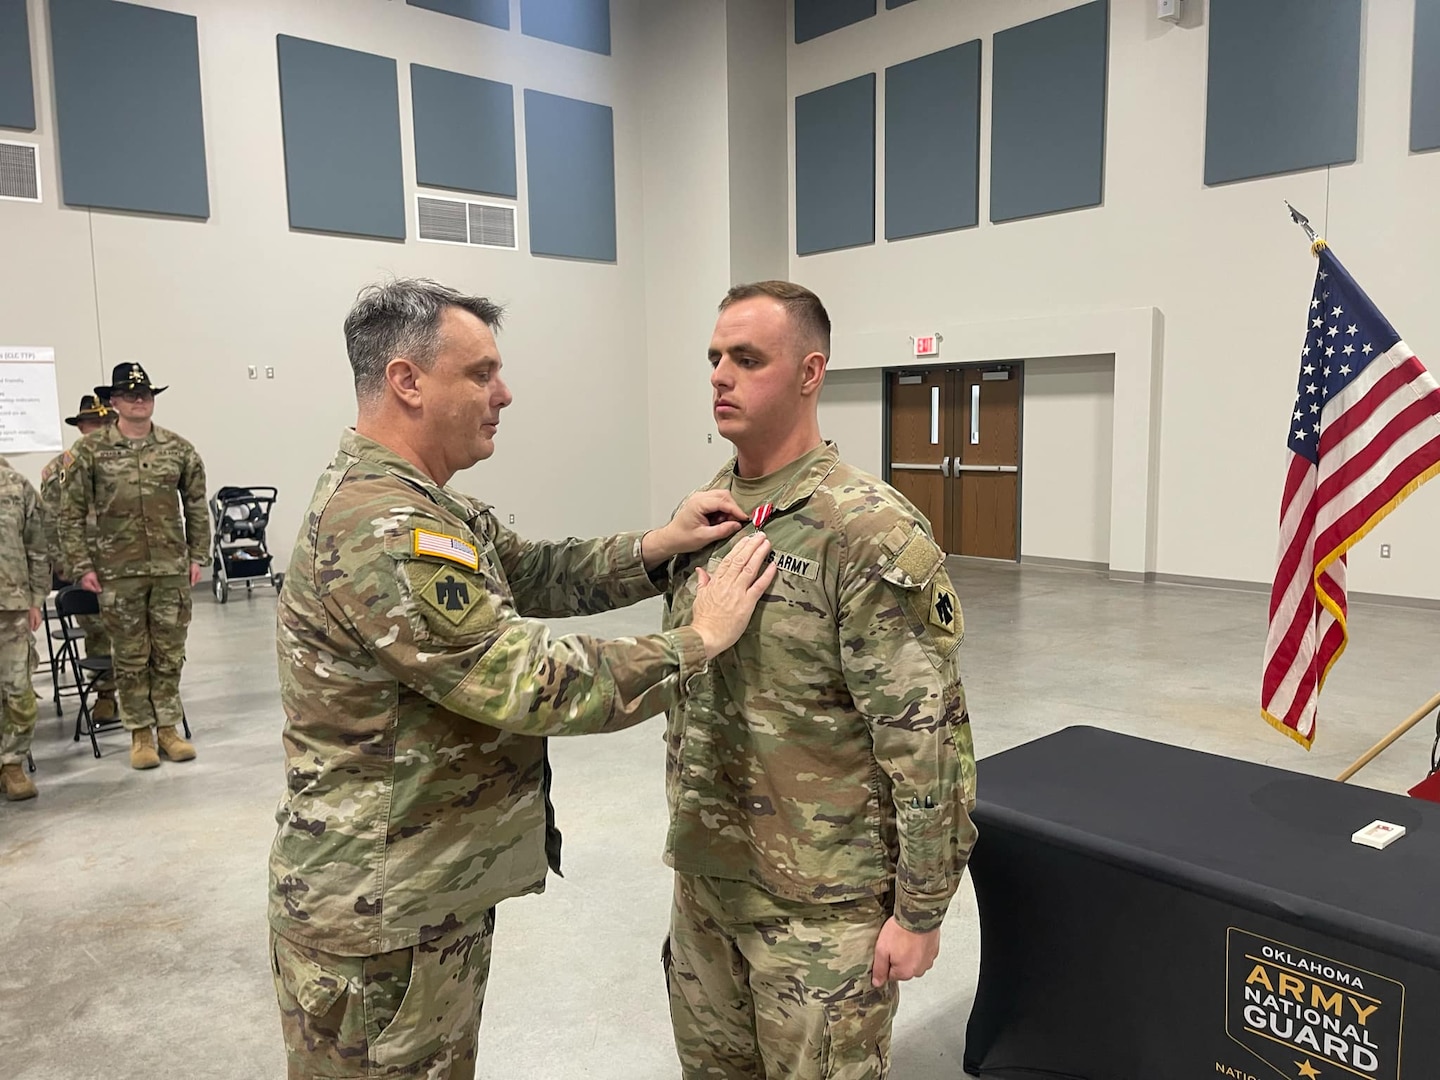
(402,318)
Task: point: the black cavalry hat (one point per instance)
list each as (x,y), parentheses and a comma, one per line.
(128,377)
(91,408)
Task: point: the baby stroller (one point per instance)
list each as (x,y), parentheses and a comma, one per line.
(239,552)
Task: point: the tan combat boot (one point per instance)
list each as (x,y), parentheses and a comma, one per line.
(103,711)
(15,784)
(142,750)
(173,746)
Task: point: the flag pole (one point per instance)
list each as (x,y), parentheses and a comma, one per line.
(1317,242)
(1380,747)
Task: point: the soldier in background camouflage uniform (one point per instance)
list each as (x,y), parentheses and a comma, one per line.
(144,487)
(24,581)
(821,774)
(92,415)
(414,688)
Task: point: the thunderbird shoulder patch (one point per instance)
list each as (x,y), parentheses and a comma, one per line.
(944,608)
(450,548)
(452,595)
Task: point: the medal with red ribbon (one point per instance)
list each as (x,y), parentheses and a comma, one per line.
(762,514)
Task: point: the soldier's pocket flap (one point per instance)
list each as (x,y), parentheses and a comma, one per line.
(913,559)
(316,988)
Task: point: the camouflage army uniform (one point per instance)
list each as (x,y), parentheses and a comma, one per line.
(147,500)
(24,581)
(820,777)
(52,480)
(417,793)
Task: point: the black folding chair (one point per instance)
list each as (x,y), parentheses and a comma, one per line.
(88,672)
(63,658)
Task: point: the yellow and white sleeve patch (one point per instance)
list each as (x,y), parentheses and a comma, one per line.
(427,544)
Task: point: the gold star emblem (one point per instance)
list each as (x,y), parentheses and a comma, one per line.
(1308,1071)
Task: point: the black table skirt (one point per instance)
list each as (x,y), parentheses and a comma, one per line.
(1154,913)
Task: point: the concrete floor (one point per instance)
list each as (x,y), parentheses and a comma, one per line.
(132,929)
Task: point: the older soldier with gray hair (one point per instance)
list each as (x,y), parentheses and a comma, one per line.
(821,773)
(417,695)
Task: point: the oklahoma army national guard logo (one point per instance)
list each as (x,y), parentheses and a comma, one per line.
(1309,1017)
(943,607)
(449,593)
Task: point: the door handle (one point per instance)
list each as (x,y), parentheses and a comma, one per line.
(945,467)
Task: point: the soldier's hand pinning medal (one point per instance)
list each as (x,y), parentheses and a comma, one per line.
(705,518)
(726,599)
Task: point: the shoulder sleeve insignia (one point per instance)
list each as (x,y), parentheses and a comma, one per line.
(451,594)
(945,608)
(425,543)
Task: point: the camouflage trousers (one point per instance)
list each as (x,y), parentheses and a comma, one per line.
(768,989)
(17,651)
(412,1013)
(147,619)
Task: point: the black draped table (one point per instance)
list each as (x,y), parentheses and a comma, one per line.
(1154,913)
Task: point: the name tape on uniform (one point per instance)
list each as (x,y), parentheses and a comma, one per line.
(794,564)
(450,548)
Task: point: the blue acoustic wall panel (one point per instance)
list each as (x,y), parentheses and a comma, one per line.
(464,131)
(17,92)
(932,143)
(1284,86)
(816,17)
(341,115)
(489,12)
(585,24)
(1047,142)
(127,104)
(570,176)
(835,167)
(1425,89)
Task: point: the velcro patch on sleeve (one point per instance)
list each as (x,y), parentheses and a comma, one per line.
(427,544)
(916,563)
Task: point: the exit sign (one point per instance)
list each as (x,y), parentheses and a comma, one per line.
(927,345)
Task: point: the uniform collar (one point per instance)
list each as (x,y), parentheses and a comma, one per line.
(366,449)
(801,487)
(111,434)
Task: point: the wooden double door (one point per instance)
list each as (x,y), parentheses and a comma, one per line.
(955,453)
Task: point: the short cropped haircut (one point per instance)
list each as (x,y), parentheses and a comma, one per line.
(808,316)
(402,318)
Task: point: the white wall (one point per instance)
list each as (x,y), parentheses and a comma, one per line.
(196,302)
(1228,270)
(687,237)
(759,165)
(852,414)
(715,176)
(1065,459)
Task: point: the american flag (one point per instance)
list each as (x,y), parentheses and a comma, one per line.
(1364,433)
(446,547)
